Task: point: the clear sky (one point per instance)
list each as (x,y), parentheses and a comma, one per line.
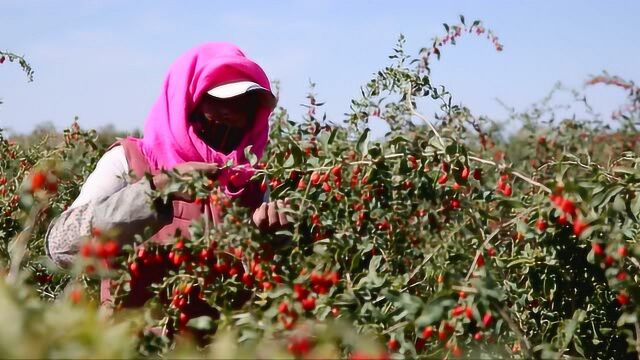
(104,61)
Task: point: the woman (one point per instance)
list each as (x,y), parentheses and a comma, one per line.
(214,103)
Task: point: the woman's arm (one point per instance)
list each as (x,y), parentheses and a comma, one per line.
(106,201)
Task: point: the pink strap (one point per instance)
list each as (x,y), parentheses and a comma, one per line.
(105,292)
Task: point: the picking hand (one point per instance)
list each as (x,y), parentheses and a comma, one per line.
(269,216)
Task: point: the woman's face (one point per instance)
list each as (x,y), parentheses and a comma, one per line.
(222,123)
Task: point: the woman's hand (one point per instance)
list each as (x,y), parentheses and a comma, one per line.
(269,216)
(160,181)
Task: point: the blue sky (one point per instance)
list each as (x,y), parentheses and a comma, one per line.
(104,61)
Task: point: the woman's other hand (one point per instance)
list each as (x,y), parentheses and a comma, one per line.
(269,216)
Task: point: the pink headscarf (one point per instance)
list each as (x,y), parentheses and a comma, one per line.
(169,139)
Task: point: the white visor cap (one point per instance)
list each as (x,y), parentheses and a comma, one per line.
(242,87)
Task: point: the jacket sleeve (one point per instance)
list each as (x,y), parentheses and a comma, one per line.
(129,211)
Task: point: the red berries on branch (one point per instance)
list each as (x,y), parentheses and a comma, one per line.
(464,174)
(393,344)
(104,250)
(299,345)
(427,332)
(43,181)
(623,299)
(503,186)
(541,225)
(443,179)
(579,226)
(487,319)
(597,249)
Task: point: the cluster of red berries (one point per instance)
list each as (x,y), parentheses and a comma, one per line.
(229,264)
(443,333)
(299,345)
(100,248)
(42,180)
(464,174)
(319,284)
(256,276)
(446,329)
(503,185)
(182,295)
(321,179)
(188,299)
(13,201)
(568,212)
(609,260)
(104,250)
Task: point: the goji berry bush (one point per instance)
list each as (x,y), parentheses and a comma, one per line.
(444,238)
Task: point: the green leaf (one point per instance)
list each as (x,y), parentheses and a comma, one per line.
(334,132)
(624,170)
(604,197)
(201,323)
(363,141)
(250,156)
(434,311)
(289,162)
(297,153)
(374,263)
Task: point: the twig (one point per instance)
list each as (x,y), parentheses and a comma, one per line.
(584,166)
(515,173)
(415,271)
(302,208)
(514,328)
(531,181)
(396,326)
(480,160)
(491,236)
(466,289)
(424,118)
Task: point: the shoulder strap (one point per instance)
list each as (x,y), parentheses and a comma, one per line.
(135,158)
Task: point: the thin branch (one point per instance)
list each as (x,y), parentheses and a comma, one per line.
(515,173)
(514,328)
(424,118)
(395,327)
(584,166)
(415,271)
(531,181)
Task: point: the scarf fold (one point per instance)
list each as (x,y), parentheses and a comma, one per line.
(169,139)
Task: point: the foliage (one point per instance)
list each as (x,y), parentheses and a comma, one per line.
(12,57)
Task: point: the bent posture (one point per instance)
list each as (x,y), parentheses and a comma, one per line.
(214,103)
